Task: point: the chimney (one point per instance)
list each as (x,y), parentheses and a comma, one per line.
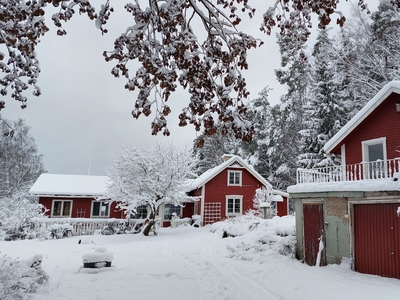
(226,157)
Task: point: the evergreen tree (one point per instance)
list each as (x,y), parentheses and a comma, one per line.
(210,148)
(324,114)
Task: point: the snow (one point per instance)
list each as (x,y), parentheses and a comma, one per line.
(195,263)
(100,254)
(372,185)
(74,185)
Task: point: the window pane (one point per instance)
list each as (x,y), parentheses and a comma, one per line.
(66,208)
(141,212)
(170,209)
(375,152)
(237,178)
(96,209)
(104,209)
(231,177)
(57,208)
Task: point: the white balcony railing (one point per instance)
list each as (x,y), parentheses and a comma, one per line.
(362,171)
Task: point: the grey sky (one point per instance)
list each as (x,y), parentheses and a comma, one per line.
(84,111)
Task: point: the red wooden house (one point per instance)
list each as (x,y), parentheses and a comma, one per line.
(228,190)
(73,196)
(354,208)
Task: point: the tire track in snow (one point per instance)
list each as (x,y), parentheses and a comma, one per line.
(252,288)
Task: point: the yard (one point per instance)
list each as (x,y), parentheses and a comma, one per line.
(195,263)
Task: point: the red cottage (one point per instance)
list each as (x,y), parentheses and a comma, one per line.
(354,208)
(228,190)
(73,196)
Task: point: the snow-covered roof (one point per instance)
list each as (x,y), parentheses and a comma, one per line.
(211,173)
(70,185)
(372,185)
(391,87)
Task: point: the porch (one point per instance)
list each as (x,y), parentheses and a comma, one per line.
(365,170)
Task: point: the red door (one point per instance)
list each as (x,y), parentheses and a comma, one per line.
(313,220)
(377,239)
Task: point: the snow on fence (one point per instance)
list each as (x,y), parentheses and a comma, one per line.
(364,170)
(81,226)
(176,222)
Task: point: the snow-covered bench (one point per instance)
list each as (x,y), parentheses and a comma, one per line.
(98,259)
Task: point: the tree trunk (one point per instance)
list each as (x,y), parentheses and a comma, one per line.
(150,220)
(147,229)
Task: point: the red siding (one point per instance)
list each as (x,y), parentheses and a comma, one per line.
(377,239)
(384,121)
(80,205)
(282,207)
(188,210)
(217,189)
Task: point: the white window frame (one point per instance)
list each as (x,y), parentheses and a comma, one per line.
(62,208)
(365,153)
(240,178)
(365,144)
(234,197)
(101,203)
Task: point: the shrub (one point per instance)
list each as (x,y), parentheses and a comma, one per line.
(19,279)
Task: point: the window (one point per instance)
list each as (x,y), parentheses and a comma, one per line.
(141,212)
(374,156)
(169,209)
(61,208)
(100,209)
(233,205)
(235,178)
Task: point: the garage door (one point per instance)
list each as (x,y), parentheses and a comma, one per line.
(377,239)
(313,219)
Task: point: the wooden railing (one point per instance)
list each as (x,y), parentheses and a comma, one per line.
(366,170)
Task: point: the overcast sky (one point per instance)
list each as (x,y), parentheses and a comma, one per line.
(83,115)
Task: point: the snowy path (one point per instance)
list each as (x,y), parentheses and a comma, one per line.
(190,263)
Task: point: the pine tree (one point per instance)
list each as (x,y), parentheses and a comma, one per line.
(324,113)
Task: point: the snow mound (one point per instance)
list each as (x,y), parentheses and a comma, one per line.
(253,238)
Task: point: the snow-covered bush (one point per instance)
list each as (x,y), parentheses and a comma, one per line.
(254,236)
(19,279)
(16,213)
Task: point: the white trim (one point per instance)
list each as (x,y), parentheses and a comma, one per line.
(100,216)
(203,192)
(234,177)
(343,159)
(62,207)
(391,87)
(240,197)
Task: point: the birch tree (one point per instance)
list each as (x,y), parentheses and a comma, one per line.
(20,162)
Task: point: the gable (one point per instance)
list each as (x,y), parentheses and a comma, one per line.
(234,162)
(371,112)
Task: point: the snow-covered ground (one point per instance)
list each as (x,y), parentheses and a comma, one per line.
(195,263)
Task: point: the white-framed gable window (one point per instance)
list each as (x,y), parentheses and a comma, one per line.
(374,157)
(235,178)
(61,208)
(100,209)
(234,205)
